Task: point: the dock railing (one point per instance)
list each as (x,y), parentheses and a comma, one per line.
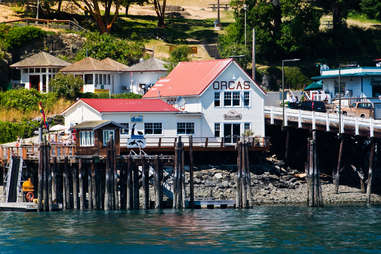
(329,120)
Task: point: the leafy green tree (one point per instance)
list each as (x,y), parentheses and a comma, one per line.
(104,19)
(67,86)
(372,8)
(101,46)
(179,54)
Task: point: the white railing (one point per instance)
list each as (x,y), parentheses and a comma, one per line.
(327,119)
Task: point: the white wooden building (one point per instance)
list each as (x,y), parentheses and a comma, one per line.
(214,99)
(38,70)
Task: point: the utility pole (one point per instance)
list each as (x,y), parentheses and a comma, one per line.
(37,9)
(253,56)
(218,13)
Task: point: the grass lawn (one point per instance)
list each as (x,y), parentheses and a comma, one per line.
(177,31)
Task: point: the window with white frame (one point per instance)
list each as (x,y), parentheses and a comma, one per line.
(125,128)
(236,99)
(247,129)
(86,138)
(246,99)
(227,98)
(217,130)
(107,136)
(153,128)
(217,100)
(185,128)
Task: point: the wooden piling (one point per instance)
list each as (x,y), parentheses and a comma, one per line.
(314,196)
(243,178)
(136,185)
(81,188)
(89,189)
(370,172)
(183,189)
(65,185)
(287,143)
(158,183)
(50,185)
(45,177)
(94,190)
(178,175)
(129,185)
(54,181)
(107,199)
(75,188)
(174,181)
(191,183)
(336,174)
(115,196)
(239,176)
(248,176)
(145,180)
(40,176)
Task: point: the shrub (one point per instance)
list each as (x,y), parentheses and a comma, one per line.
(66,86)
(21,99)
(16,37)
(179,54)
(10,131)
(100,46)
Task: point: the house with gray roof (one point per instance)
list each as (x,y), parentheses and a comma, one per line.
(144,74)
(38,69)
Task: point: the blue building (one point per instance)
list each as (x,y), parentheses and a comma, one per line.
(356,82)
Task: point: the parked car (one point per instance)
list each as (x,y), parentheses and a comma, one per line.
(318,106)
(359,109)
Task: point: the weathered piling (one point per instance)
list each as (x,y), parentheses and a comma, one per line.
(158,183)
(65,186)
(239,176)
(370,172)
(129,185)
(75,187)
(107,199)
(336,174)
(314,195)
(94,189)
(191,183)
(89,188)
(136,186)
(40,176)
(45,172)
(54,181)
(178,177)
(145,180)
(243,177)
(248,176)
(81,188)
(287,144)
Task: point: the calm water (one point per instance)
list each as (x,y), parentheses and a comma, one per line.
(260,230)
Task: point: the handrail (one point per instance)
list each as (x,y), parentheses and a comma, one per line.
(70,23)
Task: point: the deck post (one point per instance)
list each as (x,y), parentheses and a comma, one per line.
(191,183)
(299,118)
(248,177)
(370,172)
(314,197)
(336,174)
(327,127)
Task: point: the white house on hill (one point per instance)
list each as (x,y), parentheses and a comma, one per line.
(38,70)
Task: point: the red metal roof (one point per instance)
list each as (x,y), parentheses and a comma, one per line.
(188,78)
(129,105)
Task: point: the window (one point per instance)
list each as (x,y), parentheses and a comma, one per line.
(38,70)
(96,79)
(246,99)
(217,129)
(109,79)
(31,70)
(43,69)
(125,128)
(217,99)
(44,83)
(25,70)
(236,98)
(100,79)
(86,138)
(227,98)
(88,78)
(152,128)
(107,135)
(246,126)
(185,128)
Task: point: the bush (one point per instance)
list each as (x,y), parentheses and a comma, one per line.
(179,54)
(66,86)
(10,131)
(16,37)
(100,46)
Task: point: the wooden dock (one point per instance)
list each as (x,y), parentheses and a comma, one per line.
(18,206)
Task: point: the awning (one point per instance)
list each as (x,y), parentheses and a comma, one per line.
(317,85)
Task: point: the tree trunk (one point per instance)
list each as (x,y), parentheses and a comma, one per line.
(127,7)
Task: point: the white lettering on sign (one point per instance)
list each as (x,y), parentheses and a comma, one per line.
(231,85)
